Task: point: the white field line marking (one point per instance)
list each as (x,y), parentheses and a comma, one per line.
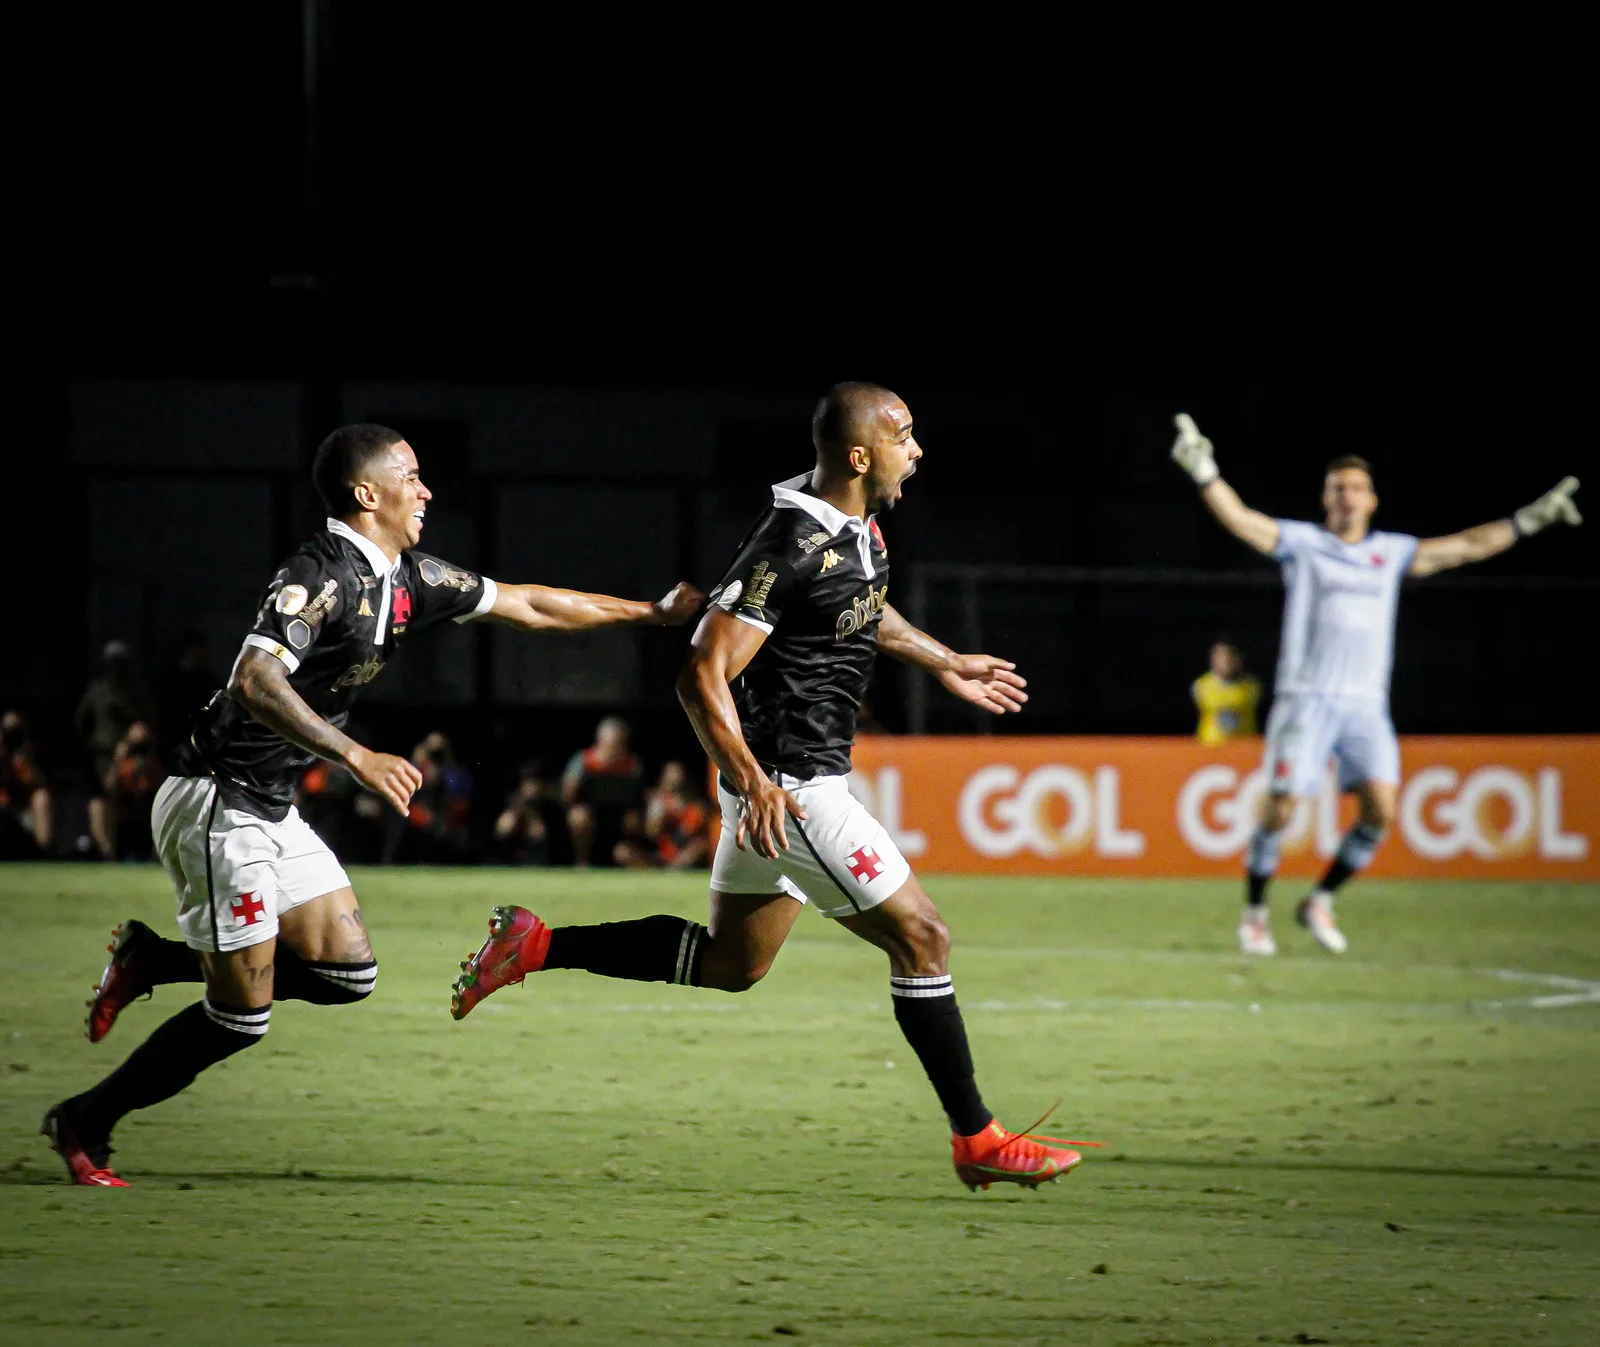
(1568,991)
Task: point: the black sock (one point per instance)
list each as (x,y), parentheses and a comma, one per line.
(1354,854)
(196,1037)
(652,949)
(926,1011)
(162,961)
(1256,888)
(322,984)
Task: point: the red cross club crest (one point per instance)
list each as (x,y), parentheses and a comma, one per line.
(865,865)
(247,909)
(402,608)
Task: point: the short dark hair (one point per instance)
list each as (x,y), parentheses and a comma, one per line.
(845,416)
(342,458)
(1349,461)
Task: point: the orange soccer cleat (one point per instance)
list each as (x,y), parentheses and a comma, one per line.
(517,944)
(995,1155)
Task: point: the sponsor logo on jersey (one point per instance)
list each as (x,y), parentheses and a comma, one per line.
(761,579)
(452,577)
(320,606)
(358,674)
(808,545)
(291,599)
(861,613)
(830,559)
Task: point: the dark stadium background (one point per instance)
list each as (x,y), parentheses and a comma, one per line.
(599,271)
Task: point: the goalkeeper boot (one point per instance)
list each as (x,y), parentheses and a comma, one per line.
(1255,936)
(1315,913)
(89,1167)
(517,944)
(995,1155)
(121,982)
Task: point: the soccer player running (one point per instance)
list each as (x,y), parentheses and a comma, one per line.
(773,684)
(1331,695)
(265,910)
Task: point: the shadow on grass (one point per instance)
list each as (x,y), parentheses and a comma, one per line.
(1348,1167)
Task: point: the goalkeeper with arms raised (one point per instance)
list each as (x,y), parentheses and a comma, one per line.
(1337,649)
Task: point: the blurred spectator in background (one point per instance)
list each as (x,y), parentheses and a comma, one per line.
(602,785)
(522,832)
(27,813)
(185,688)
(119,817)
(1227,696)
(674,834)
(111,703)
(437,830)
(325,797)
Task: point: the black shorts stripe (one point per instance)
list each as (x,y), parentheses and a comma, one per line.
(211,888)
(835,878)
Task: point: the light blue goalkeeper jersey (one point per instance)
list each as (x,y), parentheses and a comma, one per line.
(1339,611)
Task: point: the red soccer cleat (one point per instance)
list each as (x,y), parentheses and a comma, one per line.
(995,1155)
(86,1170)
(119,984)
(517,944)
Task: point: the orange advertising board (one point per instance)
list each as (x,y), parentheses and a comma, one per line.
(1480,808)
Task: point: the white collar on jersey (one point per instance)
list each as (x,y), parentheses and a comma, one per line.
(790,495)
(381,566)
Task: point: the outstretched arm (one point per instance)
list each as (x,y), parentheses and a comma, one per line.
(540,608)
(983,680)
(1192,452)
(260,684)
(1486,540)
(721,648)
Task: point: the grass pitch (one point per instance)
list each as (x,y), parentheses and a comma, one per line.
(1401,1146)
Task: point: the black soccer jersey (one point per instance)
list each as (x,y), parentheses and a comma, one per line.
(334,614)
(815,580)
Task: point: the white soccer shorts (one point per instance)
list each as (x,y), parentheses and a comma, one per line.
(840,858)
(1304,732)
(235,874)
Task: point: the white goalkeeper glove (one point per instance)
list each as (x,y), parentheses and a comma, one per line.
(1191,451)
(1554,507)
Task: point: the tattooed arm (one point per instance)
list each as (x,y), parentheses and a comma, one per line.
(260,684)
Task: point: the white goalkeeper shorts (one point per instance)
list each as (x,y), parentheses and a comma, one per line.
(235,874)
(840,858)
(1303,732)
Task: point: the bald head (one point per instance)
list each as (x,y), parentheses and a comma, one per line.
(852,414)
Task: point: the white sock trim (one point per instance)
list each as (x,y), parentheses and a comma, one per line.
(917,988)
(252,1022)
